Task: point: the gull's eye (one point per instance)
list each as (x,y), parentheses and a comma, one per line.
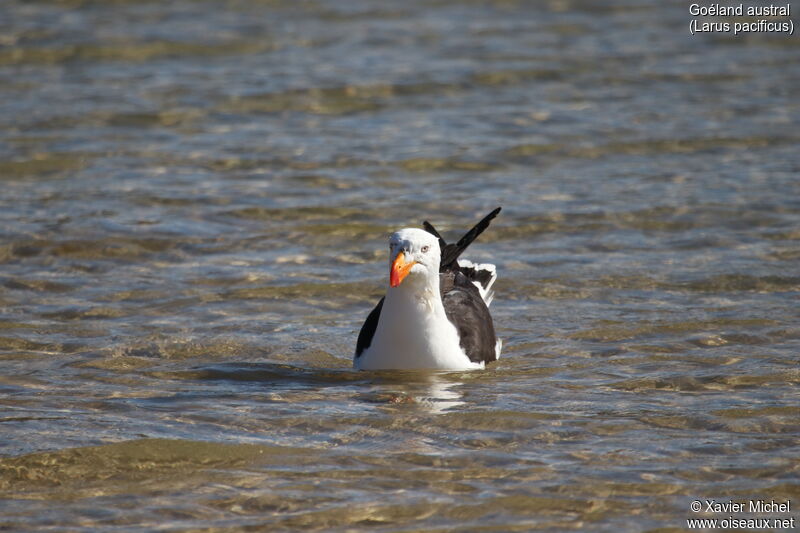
(425,249)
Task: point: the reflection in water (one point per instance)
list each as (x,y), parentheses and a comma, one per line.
(432,392)
(429,392)
(441,395)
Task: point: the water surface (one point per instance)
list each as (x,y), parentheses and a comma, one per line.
(193,218)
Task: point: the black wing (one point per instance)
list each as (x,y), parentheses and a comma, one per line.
(467,311)
(463,304)
(451,252)
(368,329)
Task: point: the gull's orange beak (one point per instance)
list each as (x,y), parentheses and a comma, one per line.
(400,269)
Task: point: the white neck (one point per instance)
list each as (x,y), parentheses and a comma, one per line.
(421,292)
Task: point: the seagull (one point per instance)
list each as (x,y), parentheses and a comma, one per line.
(435,315)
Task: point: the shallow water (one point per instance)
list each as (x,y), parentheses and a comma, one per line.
(193,219)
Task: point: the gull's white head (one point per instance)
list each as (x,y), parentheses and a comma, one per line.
(413,254)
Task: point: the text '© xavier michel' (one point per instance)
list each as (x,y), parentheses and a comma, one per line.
(772,18)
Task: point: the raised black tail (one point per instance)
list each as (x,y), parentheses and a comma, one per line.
(451,252)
